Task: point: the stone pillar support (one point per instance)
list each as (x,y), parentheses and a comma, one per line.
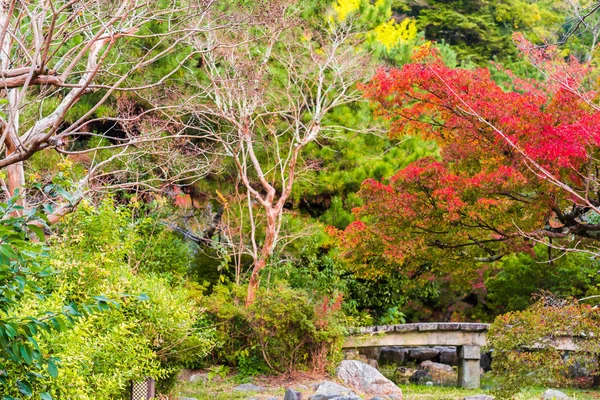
(468,366)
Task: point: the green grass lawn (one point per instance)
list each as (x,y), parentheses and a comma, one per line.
(222,390)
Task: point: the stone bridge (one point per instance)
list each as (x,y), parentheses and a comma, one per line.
(467,337)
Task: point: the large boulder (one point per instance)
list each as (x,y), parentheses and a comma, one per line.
(392,355)
(423,353)
(448,355)
(440,373)
(363,377)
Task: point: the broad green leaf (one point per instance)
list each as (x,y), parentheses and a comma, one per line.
(52,369)
(25,388)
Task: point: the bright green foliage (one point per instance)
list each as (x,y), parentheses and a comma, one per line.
(519,276)
(157,328)
(24,365)
(480,30)
(345,161)
(525,343)
(283,330)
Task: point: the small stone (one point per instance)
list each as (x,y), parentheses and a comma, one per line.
(420,376)
(291,394)
(553,394)
(428,384)
(187,398)
(199,377)
(248,387)
(479,397)
(300,387)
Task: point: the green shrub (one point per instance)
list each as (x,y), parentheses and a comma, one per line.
(525,344)
(284,330)
(158,327)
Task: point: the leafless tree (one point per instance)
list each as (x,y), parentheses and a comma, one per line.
(55,53)
(262,96)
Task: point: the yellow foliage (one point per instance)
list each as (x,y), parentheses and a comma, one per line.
(343,8)
(390,33)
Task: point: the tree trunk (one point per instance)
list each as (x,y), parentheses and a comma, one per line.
(254,281)
(266,253)
(16,180)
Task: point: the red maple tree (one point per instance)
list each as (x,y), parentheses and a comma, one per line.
(516,166)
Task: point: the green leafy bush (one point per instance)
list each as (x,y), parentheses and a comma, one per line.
(527,344)
(283,330)
(157,328)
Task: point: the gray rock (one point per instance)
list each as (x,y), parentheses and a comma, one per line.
(420,377)
(393,355)
(248,387)
(429,384)
(272,398)
(440,373)
(332,388)
(300,387)
(423,353)
(552,394)
(448,356)
(433,366)
(334,397)
(187,398)
(291,394)
(479,397)
(199,377)
(365,378)
(324,396)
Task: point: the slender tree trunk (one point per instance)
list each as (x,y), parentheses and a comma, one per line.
(15,172)
(265,254)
